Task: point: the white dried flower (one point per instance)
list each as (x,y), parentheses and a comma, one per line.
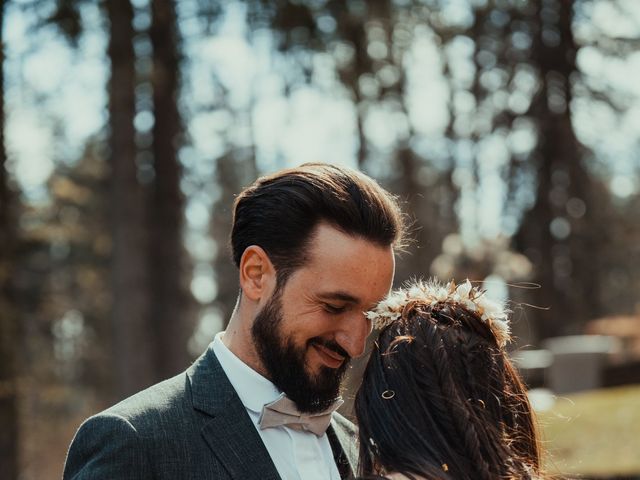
(432,292)
(465,289)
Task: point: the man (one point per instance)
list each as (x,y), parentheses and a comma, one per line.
(314,248)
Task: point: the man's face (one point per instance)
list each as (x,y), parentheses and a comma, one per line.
(308,331)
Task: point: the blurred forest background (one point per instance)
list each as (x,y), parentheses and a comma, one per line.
(509,128)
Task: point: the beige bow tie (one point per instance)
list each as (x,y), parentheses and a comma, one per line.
(283,412)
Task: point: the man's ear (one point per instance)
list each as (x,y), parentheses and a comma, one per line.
(257,273)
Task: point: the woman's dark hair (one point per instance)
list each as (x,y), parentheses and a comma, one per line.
(279,212)
(441,400)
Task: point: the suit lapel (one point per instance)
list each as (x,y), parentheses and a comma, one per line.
(229,432)
(234,440)
(342,442)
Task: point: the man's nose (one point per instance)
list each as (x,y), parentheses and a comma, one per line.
(353,337)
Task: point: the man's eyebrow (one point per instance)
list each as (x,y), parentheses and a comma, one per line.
(342,296)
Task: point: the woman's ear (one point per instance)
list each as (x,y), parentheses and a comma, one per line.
(257,274)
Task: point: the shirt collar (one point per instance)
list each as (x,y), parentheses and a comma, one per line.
(253,389)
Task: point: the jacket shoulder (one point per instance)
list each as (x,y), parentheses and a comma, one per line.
(124,440)
(167,400)
(105,446)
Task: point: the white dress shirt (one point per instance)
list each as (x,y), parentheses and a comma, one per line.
(297,455)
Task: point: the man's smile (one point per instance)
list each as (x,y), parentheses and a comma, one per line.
(329,357)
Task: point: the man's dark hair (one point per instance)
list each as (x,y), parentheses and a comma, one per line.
(279,213)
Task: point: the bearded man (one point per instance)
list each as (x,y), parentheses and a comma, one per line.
(314,246)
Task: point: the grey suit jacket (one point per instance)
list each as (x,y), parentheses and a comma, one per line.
(192,426)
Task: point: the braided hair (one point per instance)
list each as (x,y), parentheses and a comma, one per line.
(440,398)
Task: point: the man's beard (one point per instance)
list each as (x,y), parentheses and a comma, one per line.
(285,362)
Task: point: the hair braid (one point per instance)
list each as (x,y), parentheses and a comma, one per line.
(450,408)
(468,350)
(462,420)
(438,404)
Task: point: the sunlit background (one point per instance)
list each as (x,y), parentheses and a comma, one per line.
(508,128)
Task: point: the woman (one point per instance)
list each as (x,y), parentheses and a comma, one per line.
(440,398)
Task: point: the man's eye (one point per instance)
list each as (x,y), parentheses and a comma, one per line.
(333,308)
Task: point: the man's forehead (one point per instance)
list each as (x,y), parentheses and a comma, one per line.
(328,241)
(348,268)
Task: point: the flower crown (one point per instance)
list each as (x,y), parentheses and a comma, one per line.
(433,292)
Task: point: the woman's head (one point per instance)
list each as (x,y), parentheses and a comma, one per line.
(440,398)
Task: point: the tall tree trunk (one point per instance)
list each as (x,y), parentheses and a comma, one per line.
(170,313)
(232,175)
(9,439)
(568,284)
(134,358)
(434,213)
(351,28)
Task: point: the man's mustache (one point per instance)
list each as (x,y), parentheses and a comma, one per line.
(331,345)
